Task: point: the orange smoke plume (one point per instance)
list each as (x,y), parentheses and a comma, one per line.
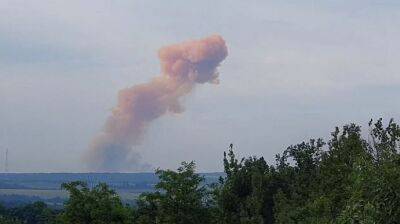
(182,66)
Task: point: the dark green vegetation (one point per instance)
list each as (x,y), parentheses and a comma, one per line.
(349,179)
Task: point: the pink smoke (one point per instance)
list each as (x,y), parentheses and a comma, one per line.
(182,66)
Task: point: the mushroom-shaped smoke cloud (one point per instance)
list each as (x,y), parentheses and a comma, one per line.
(183,66)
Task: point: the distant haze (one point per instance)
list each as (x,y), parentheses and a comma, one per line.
(295,70)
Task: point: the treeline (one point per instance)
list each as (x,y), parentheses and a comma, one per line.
(348,179)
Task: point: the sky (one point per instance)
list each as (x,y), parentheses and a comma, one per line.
(295,70)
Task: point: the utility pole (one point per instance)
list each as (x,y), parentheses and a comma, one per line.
(6,162)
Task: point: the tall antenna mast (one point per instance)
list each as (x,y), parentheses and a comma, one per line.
(6,162)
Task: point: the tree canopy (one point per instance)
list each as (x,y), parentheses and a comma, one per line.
(351,178)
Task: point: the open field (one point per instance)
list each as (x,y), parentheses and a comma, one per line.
(45,194)
(22,188)
(49,194)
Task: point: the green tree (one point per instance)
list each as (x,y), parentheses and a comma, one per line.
(353,181)
(99,205)
(246,194)
(384,178)
(7,220)
(300,179)
(346,149)
(35,213)
(180,198)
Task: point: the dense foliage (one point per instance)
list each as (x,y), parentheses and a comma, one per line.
(179,198)
(349,179)
(35,213)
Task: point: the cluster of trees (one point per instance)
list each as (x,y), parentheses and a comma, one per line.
(34,213)
(349,179)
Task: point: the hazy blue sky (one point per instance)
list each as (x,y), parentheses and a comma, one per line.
(295,69)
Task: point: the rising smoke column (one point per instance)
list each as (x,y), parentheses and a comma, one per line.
(182,67)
